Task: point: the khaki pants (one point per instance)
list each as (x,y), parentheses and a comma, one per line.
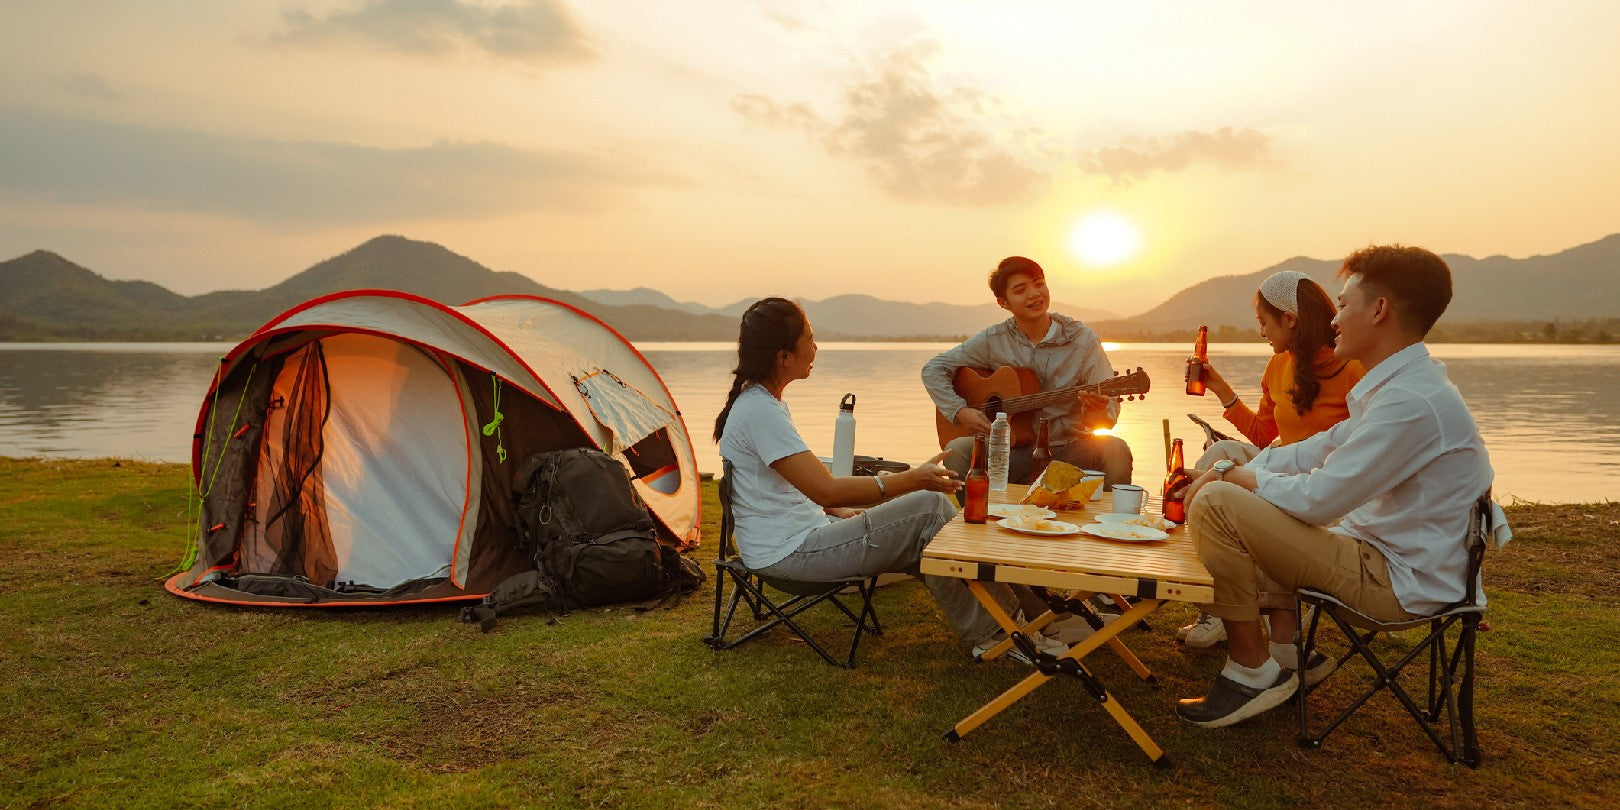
(1259,555)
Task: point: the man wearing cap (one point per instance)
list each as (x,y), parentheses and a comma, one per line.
(1399,476)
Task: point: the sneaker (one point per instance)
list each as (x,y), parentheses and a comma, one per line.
(1317,669)
(1230,702)
(1206,632)
(1046,645)
(1074,629)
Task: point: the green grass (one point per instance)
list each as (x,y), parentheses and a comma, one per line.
(113,692)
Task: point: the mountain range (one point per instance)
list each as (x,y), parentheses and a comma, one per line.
(44,296)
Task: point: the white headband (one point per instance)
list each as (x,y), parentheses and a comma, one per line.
(1281,290)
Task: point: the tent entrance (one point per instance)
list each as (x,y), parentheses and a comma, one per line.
(375,492)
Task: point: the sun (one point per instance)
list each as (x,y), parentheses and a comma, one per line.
(1104,238)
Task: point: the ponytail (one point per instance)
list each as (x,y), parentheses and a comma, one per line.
(770,325)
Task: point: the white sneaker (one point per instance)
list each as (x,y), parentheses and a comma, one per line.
(1046,645)
(1206,632)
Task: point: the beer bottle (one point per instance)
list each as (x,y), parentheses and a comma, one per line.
(1175,483)
(976,495)
(1042,454)
(1195,365)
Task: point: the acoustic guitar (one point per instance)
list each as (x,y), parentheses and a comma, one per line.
(1017,391)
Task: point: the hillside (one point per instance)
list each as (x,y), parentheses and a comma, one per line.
(46,297)
(1573,295)
(1578,284)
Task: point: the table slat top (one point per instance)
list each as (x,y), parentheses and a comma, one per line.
(1171,560)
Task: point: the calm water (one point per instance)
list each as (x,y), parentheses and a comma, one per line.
(1550,415)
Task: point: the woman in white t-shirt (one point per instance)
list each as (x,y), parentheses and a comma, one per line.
(794,518)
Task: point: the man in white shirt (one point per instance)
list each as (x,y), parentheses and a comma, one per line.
(1399,475)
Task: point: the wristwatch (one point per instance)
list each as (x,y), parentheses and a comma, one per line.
(1223,467)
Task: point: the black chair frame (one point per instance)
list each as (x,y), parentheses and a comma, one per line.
(755,590)
(1449,703)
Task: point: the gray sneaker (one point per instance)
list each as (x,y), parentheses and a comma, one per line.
(1230,702)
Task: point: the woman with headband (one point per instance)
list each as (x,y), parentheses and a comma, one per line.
(796,520)
(1302,393)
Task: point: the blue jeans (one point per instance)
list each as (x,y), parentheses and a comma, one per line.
(890,537)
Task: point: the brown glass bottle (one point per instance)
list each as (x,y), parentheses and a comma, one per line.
(1195,365)
(1175,485)
(976,489)
(1042,454)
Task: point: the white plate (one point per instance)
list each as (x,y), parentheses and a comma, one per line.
(1012,510)
(1060,528)
(1127,532)
(1150,521)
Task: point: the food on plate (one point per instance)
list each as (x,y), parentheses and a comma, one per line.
(1150,521)
(1019,510)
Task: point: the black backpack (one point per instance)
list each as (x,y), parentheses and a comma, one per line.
(586,527)
(591,540)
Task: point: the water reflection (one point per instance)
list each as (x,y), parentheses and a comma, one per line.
(1550,415)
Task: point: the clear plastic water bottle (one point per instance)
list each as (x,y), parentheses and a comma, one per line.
(1000,449)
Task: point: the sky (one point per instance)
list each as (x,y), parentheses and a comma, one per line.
(725,150)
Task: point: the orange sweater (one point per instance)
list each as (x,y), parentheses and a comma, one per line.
(1277,420)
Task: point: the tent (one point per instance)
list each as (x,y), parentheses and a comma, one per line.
(359,449)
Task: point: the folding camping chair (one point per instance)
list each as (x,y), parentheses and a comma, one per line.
(756,590)
(1450,700)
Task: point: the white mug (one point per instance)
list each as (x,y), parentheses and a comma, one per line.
(1128,498)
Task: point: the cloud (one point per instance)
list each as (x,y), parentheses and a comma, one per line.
(80,161)
(918,142)
(1137,158)
(88,85)
(533,31)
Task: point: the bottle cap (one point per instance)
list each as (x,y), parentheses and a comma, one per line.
(848,404)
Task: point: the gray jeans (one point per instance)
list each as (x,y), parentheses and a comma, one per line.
(888,538)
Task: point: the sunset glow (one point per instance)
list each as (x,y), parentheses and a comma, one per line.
(717,151)
(1104,239)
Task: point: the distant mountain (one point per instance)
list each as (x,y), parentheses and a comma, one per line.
(859,316)
(44,296)
(644,296)
(1580,283)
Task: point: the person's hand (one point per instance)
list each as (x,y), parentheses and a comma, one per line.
(972,420)
(1093,401)
(931,476)
(1191,490)
(842,512)
(1215,384)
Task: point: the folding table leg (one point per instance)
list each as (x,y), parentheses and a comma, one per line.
(1090,681)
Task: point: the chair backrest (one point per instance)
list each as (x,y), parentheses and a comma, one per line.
(728,522)
(1479,529)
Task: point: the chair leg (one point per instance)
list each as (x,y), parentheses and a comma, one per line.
(1465,692)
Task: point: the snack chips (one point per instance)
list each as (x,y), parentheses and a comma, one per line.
(1062,486)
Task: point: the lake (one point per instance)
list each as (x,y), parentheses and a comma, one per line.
(1550,414)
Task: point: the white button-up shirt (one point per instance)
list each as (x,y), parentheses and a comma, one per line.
(1402,471)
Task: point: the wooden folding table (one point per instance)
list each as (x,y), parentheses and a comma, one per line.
(1156,572)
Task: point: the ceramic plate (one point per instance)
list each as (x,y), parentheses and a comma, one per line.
(1043,528)
(1150,521)
(1012,510)
(1127,532)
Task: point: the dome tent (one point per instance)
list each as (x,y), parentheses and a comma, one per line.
(359,448)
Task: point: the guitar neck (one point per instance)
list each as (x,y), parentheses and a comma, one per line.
(1035,402)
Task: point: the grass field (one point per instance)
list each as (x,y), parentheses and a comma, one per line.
(115,693)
